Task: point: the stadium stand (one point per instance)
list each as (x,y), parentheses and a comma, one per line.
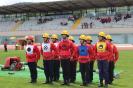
(102,23)
(32,25)
(83,23)
(6,26)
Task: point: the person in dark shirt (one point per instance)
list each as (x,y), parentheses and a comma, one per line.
(5,46)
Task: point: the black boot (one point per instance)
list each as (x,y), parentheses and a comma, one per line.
(100,85)
(84,84)
(72,81)
(66,83)
(110,83)
(33,81)
(47,82)
(106,86)
(51,82)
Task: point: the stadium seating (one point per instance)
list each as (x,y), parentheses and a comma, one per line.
(6,26)
(32,25)
(113,24)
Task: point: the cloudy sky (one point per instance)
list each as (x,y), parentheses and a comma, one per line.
(9,2)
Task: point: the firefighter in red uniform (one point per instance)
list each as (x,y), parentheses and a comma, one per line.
(65,49)
(103,51)
(84,53)
(32,56)
(56,61)
(113,59)
(46,50)
(92,60)
(73,63)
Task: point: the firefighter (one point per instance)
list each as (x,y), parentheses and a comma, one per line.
(32,56)
(65,49)
(56,61)
(84,53)
(92,60)
(46,50)
(73,64)
(113,59)
(103,51)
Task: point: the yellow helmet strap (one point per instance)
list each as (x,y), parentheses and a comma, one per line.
(84,42)
(89,41)
(102,37)
(54,39)
(110,40)
(65,37)
(46,39)
(73,41)
(65,34)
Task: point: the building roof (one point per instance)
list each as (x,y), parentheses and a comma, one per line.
(60,6)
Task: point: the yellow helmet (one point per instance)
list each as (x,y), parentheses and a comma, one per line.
(54,36)
(108,37)
(83,37)
(65,32)
(102,34)
(88,38)
(45,35)
(71,38)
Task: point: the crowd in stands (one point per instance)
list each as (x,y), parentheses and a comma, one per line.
(127,16)
(17,20)
(86,25)
(73,18)
(70,18)
(90,23)
(68,21)
(64,23)
(41,21)
(116,18)
(104,19)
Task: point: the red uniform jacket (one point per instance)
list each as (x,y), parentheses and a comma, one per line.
(47,49)
(65,49)
(115,54)
(55,53)
(75,56)
(93,49)
(103,50)
(32,53)
(85,59)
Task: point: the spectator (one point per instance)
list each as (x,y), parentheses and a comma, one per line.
(91,24)
(86,25)
(71,18)
(64,23)
(39,21)
(82,26)
(5,45)
(127,16)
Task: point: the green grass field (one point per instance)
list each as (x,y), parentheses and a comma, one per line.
(125,64)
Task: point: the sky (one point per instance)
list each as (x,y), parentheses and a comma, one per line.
(9,2)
